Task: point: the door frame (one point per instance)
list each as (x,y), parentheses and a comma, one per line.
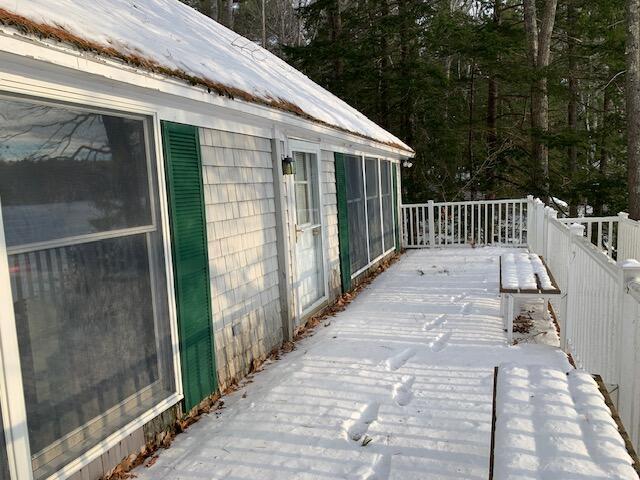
(305,146)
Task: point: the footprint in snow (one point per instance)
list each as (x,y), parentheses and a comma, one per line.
(398,360)
(439,321)
(360,421)
(403,391)
(457,298)
(379,470)
(440,342)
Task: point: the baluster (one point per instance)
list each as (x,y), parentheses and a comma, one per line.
(493,222)
(473,224)
(500,223)
(446,224)
(486,224)
(413,212)
(466,223)
(460,242)
(521,225)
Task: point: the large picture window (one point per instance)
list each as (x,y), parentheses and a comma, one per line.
(79,201)
(369,210)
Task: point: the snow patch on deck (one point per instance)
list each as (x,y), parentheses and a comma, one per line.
(369,398)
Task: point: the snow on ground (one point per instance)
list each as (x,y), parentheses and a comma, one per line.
(398,386)
(533,323)
(178,37)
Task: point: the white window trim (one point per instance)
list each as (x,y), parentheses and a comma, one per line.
(13,401)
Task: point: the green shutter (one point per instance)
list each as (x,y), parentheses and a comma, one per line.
(343,222)
(190,260)
(395,205)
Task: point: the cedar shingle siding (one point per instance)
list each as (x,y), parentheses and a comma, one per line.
(240,212)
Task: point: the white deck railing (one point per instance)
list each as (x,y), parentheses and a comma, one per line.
(464,223)
(599,309)
(601,231)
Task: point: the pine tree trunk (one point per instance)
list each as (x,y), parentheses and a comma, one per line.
(492,113)
(633,106)
(383,71)
(471,133)
(539,52)
(336,33)
(406,55)
(572,107)
(539,127)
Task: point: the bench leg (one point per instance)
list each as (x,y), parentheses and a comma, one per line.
(510,314)
(547,315)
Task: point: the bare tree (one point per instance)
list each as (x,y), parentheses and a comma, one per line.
(633,106)
(539,53)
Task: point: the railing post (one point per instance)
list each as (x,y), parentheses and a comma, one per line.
(530,227)
(432,231)
(539,206)
(627,348)
(623,241)
(577,231)
(548,213)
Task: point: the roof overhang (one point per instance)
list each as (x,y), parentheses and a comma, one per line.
(86,63)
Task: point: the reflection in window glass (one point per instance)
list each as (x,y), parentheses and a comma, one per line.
(65,172)
(373,208)
(387,205)
(91,311)
(307,194)
(356,213)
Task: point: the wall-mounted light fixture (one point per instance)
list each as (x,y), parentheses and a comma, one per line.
(288,166)
(407,164)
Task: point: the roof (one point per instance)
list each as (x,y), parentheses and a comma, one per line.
(170,38)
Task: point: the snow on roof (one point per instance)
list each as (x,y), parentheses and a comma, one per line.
(168,37)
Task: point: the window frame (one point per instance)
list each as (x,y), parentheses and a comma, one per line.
(385,251)
(12,398)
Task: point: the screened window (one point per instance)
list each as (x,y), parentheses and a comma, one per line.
(369,209)
(79,203)
(356,212)
(387,205)
(373,208)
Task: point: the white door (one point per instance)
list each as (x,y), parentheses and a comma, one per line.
(309,247)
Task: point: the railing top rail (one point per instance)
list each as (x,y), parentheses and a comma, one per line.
(589,219)
(470,202)
(557,222)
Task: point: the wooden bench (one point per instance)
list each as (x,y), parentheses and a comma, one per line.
(534,280)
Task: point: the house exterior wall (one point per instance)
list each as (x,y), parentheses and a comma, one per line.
(241,160)
(243,263)
(331,223)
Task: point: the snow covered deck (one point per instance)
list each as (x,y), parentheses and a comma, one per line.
(399,386)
